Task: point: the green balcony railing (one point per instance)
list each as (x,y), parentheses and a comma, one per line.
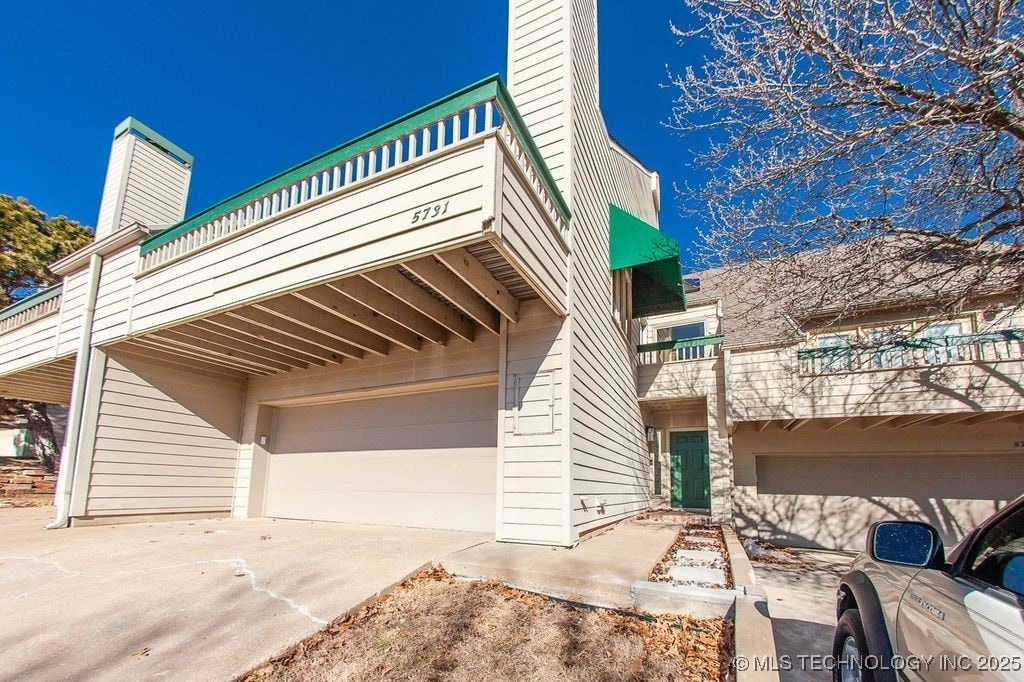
(30,308)
(480,109)
(990,346)
(679,350)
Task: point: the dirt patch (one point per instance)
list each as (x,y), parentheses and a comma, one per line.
(434,627)
(705,538)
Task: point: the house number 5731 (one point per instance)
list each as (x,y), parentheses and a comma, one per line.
(428,212)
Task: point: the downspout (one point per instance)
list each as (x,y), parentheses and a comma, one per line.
(69,457)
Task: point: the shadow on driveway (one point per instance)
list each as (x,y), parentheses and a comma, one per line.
(802,603)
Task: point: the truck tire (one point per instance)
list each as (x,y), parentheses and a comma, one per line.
(849,647)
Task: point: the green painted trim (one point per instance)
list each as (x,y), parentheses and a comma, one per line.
(41,296)
(681,343)
(491,87)
(999,336)
(505,98)
(133,125)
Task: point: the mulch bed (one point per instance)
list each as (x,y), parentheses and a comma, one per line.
(435,627)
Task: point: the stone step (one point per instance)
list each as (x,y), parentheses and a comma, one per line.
(697,575)
(697,555)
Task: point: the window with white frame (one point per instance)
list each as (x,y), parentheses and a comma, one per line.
(940,350)
(886,354)
(838,357)
(685,332)
(622,298)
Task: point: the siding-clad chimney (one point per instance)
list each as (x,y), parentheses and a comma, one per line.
(147,180)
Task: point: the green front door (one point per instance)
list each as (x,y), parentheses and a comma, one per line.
(691,469)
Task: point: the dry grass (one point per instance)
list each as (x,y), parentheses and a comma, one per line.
(433,627)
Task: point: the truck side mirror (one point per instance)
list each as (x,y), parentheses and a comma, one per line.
(906,543)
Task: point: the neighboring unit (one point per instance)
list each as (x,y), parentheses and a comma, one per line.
(805,432)
(431,325)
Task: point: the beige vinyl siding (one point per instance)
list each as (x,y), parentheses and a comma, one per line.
(684,379)
(553,78)
(116,170)
(354,231)
(610,460)
(632,188)
(538,77)
(529,239)
(401,369)
(143,185)
(422,460)
(72,310)
(766,385)
(166,440)
(114,294)
(155,188)
(28,345)
(532,477)
(814,487)
(762,384)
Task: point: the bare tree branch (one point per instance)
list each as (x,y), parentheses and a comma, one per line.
(885,135)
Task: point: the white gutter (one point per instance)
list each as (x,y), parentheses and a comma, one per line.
(69,457)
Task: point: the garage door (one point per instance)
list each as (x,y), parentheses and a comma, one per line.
(425,461)
(830,501)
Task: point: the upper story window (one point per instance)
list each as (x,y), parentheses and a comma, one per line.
(909,345)
(836,357)
(683,332)
(887,353)
(943,350)
(622,298)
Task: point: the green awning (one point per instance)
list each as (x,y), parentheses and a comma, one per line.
(654,257)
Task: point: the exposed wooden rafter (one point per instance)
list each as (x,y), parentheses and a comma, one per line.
(992,417)
(350,310)
(393,308)
(875,422)
(312,317)
(467,268)
(308,353)
(279,325)
(398,285)
(449,285)
(146,351)
(203,338)
(796,424)
(839,422)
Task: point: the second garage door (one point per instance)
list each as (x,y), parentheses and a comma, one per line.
(831,500)
(424,461)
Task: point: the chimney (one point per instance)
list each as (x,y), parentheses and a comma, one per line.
(553,78)
(147,180)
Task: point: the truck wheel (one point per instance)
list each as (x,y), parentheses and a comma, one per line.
(849,648)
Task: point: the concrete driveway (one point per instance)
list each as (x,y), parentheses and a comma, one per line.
(802,603)
(197,600)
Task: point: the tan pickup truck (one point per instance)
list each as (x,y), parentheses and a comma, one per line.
(909,611)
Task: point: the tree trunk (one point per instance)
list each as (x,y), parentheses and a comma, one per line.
(37,420)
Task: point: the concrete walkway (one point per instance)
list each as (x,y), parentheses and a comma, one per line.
(600,570)
(186,600)
(802,603)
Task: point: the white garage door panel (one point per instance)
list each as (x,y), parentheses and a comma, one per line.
(829,501)
(426,461)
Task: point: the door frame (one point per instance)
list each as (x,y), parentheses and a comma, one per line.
(707,431)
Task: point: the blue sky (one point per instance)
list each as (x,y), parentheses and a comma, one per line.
(253,88)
